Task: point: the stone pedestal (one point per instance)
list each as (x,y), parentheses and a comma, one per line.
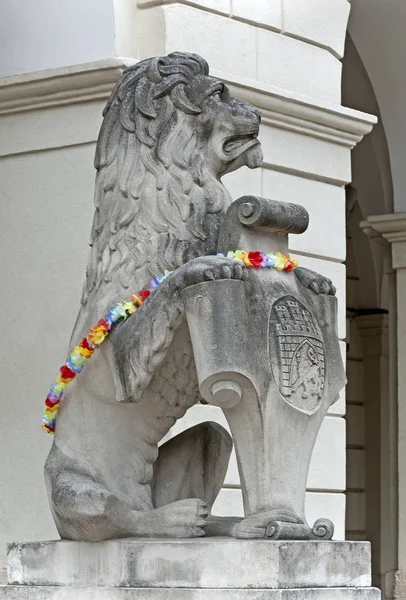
(201,569)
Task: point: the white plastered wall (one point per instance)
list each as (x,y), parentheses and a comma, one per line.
(47,34)
(46,175)
(295,46)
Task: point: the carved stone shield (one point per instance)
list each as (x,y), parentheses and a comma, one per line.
(299,367)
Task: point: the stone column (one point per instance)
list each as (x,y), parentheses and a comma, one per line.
(373,330)
(391,230)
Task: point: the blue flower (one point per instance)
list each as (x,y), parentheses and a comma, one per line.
(270,260)
(76,368)
(53,393)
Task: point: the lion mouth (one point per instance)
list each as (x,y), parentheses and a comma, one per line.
(237,144)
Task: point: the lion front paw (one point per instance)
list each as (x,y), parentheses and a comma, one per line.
(207,268)
(315,282)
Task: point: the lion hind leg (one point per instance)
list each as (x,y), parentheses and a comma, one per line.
(85,510)
(192,465)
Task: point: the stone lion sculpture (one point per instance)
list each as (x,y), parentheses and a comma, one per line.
(170,132)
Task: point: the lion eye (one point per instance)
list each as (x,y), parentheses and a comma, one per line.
(216,95)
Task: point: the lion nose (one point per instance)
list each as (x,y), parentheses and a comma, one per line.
(257,113)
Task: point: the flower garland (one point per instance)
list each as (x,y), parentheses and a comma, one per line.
(97,334)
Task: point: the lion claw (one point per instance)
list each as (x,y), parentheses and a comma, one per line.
(315,282)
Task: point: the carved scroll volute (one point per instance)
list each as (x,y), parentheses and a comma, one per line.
(259,224)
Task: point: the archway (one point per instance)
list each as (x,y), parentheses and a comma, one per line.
(370,406)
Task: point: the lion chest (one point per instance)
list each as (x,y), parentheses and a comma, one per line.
(174,387)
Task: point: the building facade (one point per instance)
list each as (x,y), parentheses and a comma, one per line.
(321,71)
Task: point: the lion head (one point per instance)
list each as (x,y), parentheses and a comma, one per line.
(170,132)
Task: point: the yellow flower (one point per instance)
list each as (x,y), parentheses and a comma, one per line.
(97,335)
(129,307)
(82,352)
(280,261)
(242,256)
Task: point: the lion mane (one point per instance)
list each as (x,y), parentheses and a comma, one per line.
(157,206)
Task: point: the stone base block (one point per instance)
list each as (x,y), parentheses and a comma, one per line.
(202,569)
(16,592)
(198,563)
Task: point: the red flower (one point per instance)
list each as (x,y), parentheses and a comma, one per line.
(255,259)
(49,428)
(102,323)
(67,373)
(85,344)
(50,403)
(290,265)
(144,293)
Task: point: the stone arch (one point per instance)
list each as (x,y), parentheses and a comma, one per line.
(377,31)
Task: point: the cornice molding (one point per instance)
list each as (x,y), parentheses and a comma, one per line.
(374,332)
(373,324)
(58,87)
(390,228)
(94,81)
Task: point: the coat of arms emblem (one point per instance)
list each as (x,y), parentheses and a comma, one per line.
(300,350)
